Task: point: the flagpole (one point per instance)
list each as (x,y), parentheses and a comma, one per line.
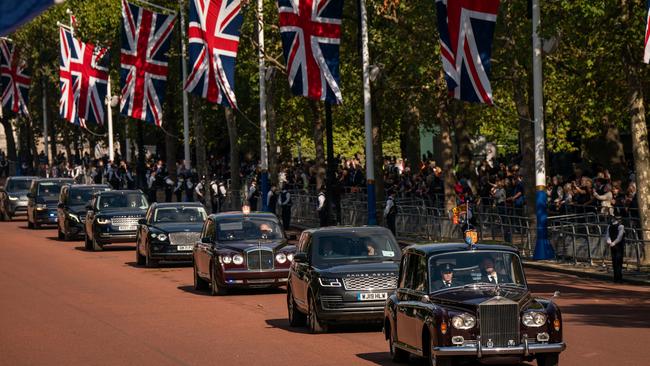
(370,156)
(543,248)
(45,133)
(109,98)
(186,118)
(263,147)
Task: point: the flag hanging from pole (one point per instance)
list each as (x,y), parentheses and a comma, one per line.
(311,35)
(83,76)
(213,33)
(466,30)
(144,67)
(646,53)
(14,79)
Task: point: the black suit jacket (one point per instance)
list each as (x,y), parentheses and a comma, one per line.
(500,277)
(438,284)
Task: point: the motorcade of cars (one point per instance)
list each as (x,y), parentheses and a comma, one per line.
(113,216)
(13,196)
(342,275)
(43,198)
(168,232)
(473,303)
(71,210)
(241,249)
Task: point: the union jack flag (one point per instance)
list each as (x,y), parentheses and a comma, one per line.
(466,29)
(83,76)
(145,42)
(646,53)
(213,40)
(13,79)
(311,35)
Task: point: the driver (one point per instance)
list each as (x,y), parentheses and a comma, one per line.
(265,229)
(489,274)
(370,247)
(447,277)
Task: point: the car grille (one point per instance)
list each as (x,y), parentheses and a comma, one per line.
(124,221)
(329,302)
(184,238)
(259,259)
(499,322)
(370,283)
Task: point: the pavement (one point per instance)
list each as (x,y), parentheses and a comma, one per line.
(63,305)
(631,274)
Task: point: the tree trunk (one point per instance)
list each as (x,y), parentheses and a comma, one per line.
(66,142)
(235,183)
(318,130)
(32,142)
(615,154)
(410,138)
(9,135)
(171,146)
(447,152)
(526,139)
(201,158)
(378,150)
(464,144)
(272,129)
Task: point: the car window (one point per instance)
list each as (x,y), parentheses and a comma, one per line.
(179,214)
(81,196)
(404,273)
(355,246)
(49,190)
(208,231)
(127,200)
(248,228)
(420,275)
(18,185)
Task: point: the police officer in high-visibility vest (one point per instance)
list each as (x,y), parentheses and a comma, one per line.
(323,208)
(616,241)
(390,213)
(285,204)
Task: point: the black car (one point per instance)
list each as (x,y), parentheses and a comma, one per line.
(456,301)
(113,216)
(239,249)
(342,274)
(43,198)
(13,197)
(71,211)
(169,232)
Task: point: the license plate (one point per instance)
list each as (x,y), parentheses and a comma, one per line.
(127,228)
(184,247)
(372,296)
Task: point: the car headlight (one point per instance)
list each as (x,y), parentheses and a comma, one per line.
(103,221)
(11,198)
(73,217)
(162,237)
(329,282)
(463,321)
(281,258)
(290,257)
(237,259)
(226,259)
(41,206)
(533,319)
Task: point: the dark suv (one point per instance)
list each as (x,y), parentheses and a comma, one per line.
(13,197)
(43,199)
(341,275)
(71,211)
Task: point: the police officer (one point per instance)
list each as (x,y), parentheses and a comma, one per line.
(214,191)
(323,208)
(169,188)
(199,189)
(446,277)
(272,199)
(616,242)
(390,213)
(180,187)
(151,185)
(189,189)
(285,204)
(253,194)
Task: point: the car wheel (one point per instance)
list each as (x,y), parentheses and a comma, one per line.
(139,258)
(29,224)
(199,283)
(60,236)
(96,246)
(397,354)
(296,317)
(548,359)
(315,325)
(433,360)
(87,244)
(150,262)
(215,288)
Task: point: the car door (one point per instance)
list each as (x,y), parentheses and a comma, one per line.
(90,218)
(31,201)
(419,309)
(60,209)
(202,250)
(302,273)
(410,295)
(142,236)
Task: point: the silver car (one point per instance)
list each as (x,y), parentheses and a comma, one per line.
(13,197)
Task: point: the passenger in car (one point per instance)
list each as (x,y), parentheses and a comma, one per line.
(447,277)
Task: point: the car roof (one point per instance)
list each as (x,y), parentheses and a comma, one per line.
(344,229)
(23,177)
(123,191)
(176,204)
(240,215)
(439,248)
(55,180)
(88,186)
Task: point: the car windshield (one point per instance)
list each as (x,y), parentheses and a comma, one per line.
(179,214)
(127,200)
(355,246)
(472,267)
(81,196)
(49,190)
(248,228)
(16,185)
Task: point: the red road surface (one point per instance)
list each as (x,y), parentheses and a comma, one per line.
(61,305)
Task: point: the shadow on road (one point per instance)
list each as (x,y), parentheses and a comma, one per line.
(111,248)
(283,324)
(56,238)
(383,358)
(161,265)
(190,289)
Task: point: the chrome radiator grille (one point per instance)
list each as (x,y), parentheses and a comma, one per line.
(259,259)
(370,283)
(499,322)
(124,221)
(184,238)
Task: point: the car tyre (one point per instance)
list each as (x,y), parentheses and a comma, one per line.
(30,225)
(87,244)
(150,262)
(296,317)
(199,283)
(60,234)
(548,359)
(96,246)
(397,354)
(433,360)
(139,258)
(315,325)
(215,288)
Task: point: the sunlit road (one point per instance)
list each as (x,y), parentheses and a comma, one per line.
(61,305)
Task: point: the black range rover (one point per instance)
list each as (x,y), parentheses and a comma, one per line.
(71,210)
(43,199)
(113,217)
(341,275)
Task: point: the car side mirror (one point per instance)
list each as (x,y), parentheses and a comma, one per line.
(300,257)
(61,206)
(142,222)
(206,240)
